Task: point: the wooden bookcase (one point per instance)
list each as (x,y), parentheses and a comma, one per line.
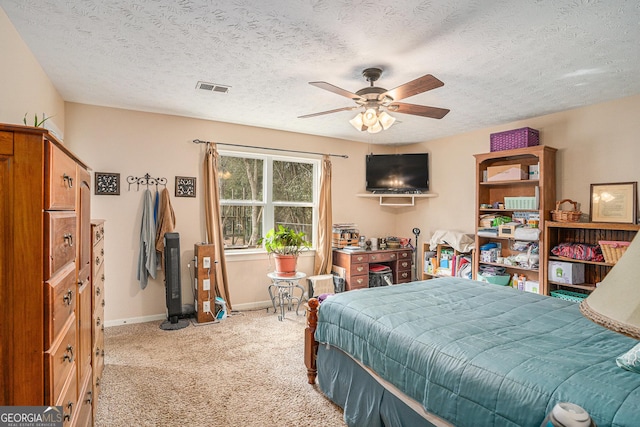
(589,233)
(490,192)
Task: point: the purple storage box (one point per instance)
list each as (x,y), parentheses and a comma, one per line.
(514,138)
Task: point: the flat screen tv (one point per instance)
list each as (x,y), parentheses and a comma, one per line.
(397,173)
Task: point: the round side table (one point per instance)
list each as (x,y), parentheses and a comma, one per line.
(281,291)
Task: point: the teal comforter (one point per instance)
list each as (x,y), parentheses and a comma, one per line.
(478,354)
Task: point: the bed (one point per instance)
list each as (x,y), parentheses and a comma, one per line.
(451,351)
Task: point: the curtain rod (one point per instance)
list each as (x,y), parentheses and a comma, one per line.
(199,141)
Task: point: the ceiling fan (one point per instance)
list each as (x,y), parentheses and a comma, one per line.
(374,100)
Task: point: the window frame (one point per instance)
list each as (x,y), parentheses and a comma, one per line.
(268,204)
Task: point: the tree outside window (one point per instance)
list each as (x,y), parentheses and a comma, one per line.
(260,192)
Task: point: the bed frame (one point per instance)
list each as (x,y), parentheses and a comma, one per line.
(310,343)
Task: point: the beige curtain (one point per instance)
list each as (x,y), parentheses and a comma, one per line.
(323,260)
(213,220)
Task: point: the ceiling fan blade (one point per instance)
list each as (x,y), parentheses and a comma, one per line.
(336,89)
(414,87)
(328,112)
(418,110)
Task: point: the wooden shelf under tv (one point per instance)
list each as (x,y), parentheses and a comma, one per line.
(399,199)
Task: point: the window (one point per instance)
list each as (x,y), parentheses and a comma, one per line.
(260,192)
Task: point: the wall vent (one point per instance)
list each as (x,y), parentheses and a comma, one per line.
(212,87)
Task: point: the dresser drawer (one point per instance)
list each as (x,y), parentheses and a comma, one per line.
(98,288)
(359,258)
(60,193)
(85,401)
(59,302)
(68,399)
(60,234)
(59,361)
(98,233)
(383,256)
(402,276)
(357,282)
(359,269)
(98,253)
(404,254)
(404,265)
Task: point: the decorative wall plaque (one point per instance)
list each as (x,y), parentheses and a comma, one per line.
(185,186)
(107,184)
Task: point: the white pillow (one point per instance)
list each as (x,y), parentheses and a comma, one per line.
(630,360)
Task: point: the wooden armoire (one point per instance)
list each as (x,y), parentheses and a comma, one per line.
(45,275)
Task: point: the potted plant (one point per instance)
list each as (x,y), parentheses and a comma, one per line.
(285,244)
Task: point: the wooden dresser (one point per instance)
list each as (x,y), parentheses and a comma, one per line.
(356,265)
(45,281)
(97,275)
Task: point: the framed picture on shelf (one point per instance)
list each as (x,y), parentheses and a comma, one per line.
(614,202)
(185,186)
(107,184)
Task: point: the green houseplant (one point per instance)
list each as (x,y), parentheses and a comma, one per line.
(285,244)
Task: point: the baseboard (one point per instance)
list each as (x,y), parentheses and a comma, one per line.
(142,319)
(155,317)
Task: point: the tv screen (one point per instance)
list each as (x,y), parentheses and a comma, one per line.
(397,173)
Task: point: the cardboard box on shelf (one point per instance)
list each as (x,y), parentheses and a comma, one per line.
(566,272)
(515,172)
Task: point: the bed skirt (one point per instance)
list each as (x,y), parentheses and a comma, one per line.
(367,399)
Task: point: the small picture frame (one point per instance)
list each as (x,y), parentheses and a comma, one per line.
(107,184)
(185,186)
(614,202)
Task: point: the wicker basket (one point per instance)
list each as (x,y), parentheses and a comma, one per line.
(566,216)
(613,250)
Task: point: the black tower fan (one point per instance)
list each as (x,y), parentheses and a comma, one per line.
(172,282)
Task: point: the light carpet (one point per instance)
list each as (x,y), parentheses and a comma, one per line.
(247,370)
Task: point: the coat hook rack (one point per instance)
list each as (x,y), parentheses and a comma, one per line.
(146,180)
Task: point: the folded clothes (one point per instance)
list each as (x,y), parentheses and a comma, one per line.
(581,251)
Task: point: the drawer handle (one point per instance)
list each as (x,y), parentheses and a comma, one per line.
(360,258)
(97,235)
(102,353)
(97,260)
(67,417)
(68,239)
(68,354)
(68,180)
(404,275)
(97,352)
(97,381)
(404,264)
(68,297)
(102,252)
(98,321)
(89,399)
(404,254)
(359,281)
(360,269)
(392,256)
(102,231)
(102,278)
(98,291)
(103,306)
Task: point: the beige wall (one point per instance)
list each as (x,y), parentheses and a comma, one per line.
(134,143)
(596,144)
(24,85)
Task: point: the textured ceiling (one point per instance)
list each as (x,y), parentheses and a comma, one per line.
(500,60)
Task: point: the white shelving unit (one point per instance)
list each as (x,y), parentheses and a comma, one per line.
(397,200)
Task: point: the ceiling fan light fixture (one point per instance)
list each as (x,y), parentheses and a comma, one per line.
(357,123)
(370,117)
(375,128)
(386,120)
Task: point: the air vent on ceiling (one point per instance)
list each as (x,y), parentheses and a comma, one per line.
(212,87)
